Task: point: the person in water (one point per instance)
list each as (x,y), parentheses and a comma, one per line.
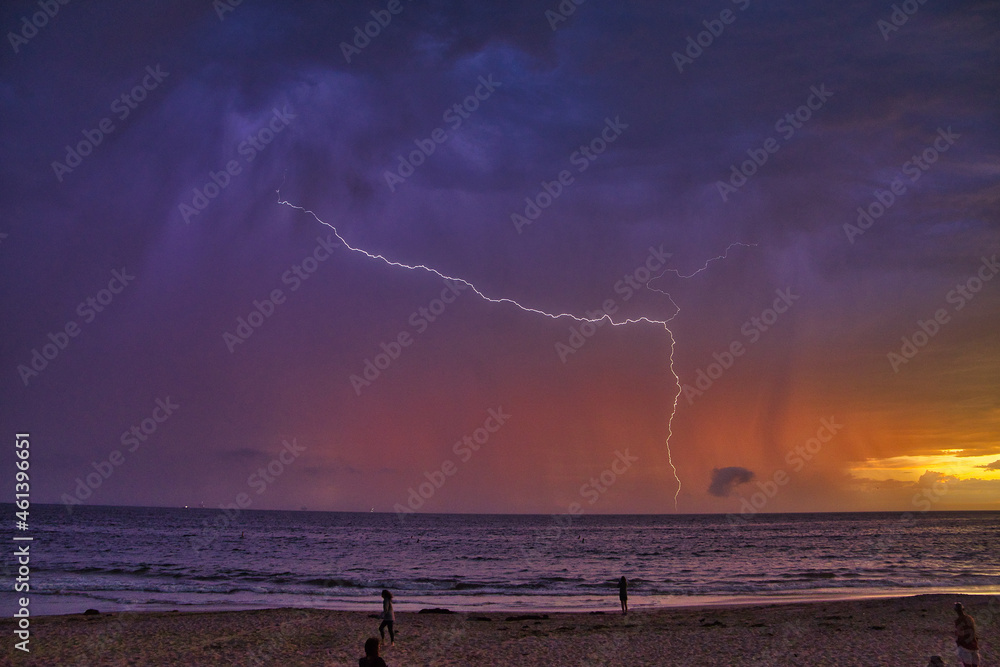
(371,658)
(623,593)
(388,618)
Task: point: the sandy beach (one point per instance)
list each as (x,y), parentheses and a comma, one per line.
(897,631)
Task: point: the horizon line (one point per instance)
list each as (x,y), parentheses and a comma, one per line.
(526,514)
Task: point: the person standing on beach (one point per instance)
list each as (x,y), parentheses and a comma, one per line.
(623,593)
(388,618)
(965,637)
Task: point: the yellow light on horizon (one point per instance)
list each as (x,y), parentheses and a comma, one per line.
(910,468)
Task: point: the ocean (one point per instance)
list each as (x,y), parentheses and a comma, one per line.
(137,558)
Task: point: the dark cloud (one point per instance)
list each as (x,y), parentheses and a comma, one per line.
(725,480)
(991,466)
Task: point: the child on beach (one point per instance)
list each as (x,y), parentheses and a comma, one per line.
(623,593)
(388,618)
(371,658)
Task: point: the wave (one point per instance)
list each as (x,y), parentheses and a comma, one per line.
(320,557)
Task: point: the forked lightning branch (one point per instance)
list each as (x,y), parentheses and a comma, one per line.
(597,319)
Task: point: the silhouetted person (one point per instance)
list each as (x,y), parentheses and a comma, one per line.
(388,618)
(623,593)
(371,658)
(965,637)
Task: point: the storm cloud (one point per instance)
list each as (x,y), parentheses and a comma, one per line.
(151,139)
(725,480)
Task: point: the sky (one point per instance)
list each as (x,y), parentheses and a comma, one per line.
(723,256)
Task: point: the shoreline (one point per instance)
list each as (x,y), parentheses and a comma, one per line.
(70,604)
(883,631)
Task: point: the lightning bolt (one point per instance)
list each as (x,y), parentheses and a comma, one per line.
(724,255)
(677,379)
(554,316)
